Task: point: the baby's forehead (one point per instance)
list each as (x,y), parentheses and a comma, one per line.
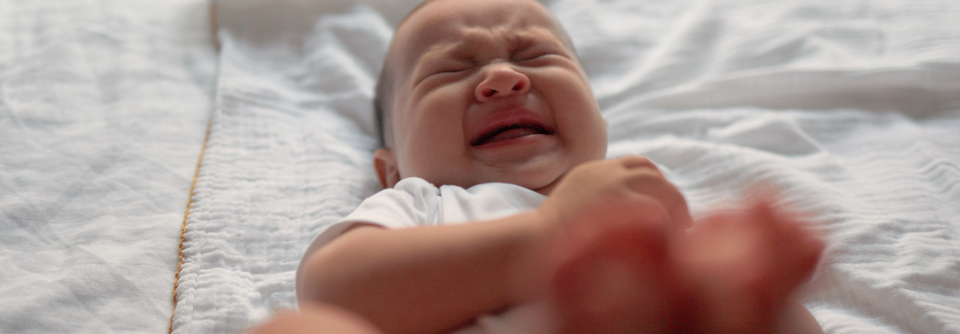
(477,11)
(463,26)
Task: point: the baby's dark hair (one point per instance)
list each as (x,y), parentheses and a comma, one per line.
(380,100)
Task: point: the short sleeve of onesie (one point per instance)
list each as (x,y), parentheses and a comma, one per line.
(412,202)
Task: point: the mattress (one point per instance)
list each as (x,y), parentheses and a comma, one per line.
(851,108)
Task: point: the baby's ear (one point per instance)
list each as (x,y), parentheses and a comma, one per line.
(385,163)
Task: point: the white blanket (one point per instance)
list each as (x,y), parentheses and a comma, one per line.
(851,108)
(103,110)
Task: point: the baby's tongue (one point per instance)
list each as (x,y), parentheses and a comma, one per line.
(511,134)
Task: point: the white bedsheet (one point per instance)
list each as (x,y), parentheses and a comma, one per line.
(851,108)
(103,110)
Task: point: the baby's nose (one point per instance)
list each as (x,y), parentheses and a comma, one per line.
(502,81)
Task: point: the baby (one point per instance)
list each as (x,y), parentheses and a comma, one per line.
(500,214)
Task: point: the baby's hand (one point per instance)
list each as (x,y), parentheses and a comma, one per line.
(627,193)
(622,191)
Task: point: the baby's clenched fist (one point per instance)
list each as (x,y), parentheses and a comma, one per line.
(626,190)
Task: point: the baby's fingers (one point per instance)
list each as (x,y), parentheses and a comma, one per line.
(797,239)
(651,183)
(632,162)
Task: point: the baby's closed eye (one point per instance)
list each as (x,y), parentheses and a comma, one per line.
(443,69)
(537,56)
(454,68)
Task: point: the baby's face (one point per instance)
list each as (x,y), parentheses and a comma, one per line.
(489,91)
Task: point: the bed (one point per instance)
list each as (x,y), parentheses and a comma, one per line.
(851,108)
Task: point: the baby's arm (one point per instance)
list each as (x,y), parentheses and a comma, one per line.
(421,280)
(433,279)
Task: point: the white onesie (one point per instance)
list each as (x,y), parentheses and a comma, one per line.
(414,202)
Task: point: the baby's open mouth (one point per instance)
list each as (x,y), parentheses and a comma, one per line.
(511,131)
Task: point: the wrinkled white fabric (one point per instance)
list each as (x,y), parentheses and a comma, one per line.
(103,110)
(851,109)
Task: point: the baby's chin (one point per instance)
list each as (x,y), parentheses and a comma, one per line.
(540,176)
(547,189)
(542,183)
(542,180)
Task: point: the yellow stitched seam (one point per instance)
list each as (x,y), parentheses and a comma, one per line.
(183,228)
